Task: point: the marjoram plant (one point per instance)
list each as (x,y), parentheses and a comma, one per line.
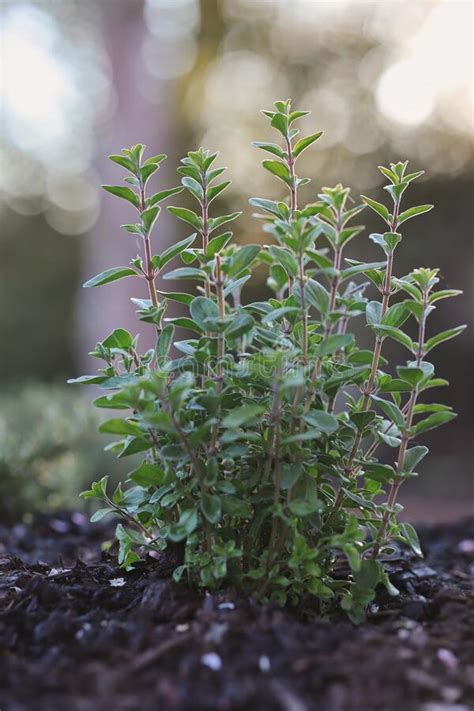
(260,432)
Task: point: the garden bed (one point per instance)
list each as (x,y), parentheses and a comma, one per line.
(79,633)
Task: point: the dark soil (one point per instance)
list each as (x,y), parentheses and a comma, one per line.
(77,633)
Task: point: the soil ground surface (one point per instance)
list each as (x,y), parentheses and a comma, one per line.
(79,634)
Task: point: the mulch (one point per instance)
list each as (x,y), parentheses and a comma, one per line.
(79,634)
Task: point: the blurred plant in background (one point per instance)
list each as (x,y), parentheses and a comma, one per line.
(49,449)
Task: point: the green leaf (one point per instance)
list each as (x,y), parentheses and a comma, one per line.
(280,122)
(147,475)
(346,376)
(378,208)
(194,187)
(396,191)
(304,143)
(334,343)
(277,314)
(270,148)
(187,523)
(413,211)
(433,421)
(121,427)
(236,284)
(124,162)
(123,192)
(411,537)
(388,241)
(385,581)
(348,234)
(134,445)
(216,222)
(396,315)
(100,514)
(155,159)
(98,489)
(243,415)
(367,576)
(392,411)
(135,229)
(218,243)
(393,177)
(213,192)
(110,275)
(417,309)
(430,407)
(204,312)
(413,456)
(373,313)
(268,205)
(317,296)
(410,375)
(301,507)
(296,115)
(114,401)
(234,506)
(359,500)
(443,336)
(280,170)
(323,421)
(211,507)
(302,436)
(187,216)
(175,249)
(242,259)
(162,195)
(147,171)
(290,473)
(397,335)
(178,296)
(164,341)
(88,379)
(278,277)
(379,472)
(185,273)
(149,217)
(120,338)
(184,322)
(362,419)
(239,326)
(283,256)
(443,294)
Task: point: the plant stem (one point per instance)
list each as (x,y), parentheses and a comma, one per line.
(304,310)
(274,458)
(205,230)
(131,519)
(405,437)
(150,270)
(196,466)
(150,273)
(369,388)
(291,168)
(328,326)
(219,284)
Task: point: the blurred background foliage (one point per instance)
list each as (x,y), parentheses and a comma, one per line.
(83,78)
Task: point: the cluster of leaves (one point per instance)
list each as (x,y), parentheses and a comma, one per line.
(260,432)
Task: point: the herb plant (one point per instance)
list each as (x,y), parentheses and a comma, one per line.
(260,431)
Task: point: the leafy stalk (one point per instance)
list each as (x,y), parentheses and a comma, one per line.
(427,281)
(389,242)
